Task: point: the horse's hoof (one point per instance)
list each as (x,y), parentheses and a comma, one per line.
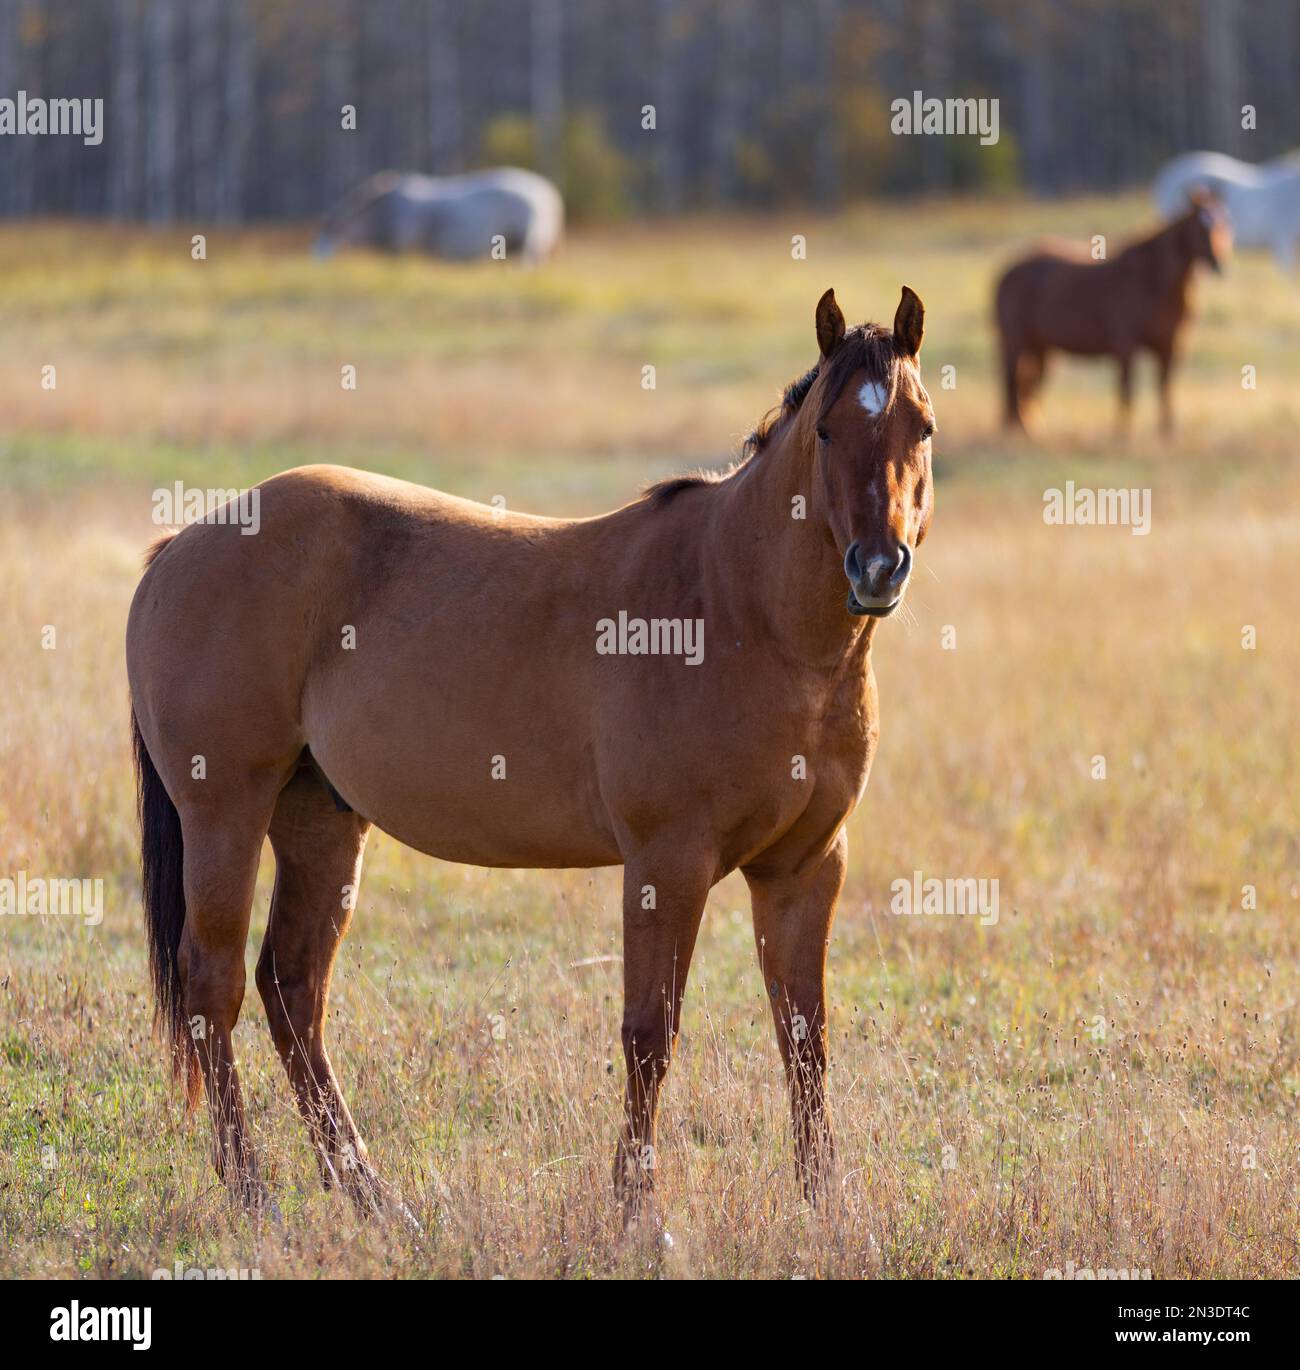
(375,1199)
(402,1211)
(642,1219)
(257,1201)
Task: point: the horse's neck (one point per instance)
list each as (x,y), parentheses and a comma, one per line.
(772,552)
(1169,262)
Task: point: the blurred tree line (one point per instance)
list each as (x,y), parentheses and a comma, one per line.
(232,109)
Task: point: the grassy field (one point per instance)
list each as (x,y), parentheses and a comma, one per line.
(1107,1076)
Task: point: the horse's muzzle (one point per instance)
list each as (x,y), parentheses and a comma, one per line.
(876,584)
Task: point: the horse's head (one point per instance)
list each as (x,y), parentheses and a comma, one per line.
(329,236)
(871,437)
(338,229)
(1206,232)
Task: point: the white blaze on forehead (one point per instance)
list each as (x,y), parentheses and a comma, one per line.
(873,396)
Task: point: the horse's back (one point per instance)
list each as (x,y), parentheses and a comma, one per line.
(322,537)
(1048,263)
(1211,170)
(1262,201)
(407,637)
(1058,295)
(458,216)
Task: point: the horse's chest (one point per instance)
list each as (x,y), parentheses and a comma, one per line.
(751,761)
(844,743)
(1166,318)
(809,768)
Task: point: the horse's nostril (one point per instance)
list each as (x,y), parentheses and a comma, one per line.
(904,565)
(853,563)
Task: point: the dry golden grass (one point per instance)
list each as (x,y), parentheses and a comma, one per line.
(1088,1080)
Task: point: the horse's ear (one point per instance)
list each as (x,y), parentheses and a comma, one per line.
(830,324)
(909,323)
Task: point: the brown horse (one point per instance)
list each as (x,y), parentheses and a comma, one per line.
(683,687)
(1060,298)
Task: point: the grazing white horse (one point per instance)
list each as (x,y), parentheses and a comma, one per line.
(1263,202)
(501,210)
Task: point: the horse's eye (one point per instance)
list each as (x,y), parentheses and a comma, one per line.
(928,432)
(823,434)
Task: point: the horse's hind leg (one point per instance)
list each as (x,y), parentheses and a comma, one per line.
(318,864)
(223,842)
(1011,415)
(1165,363)
(1031,368)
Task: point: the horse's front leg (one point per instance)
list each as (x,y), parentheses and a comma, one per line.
(1165,365)
(1124,419)
(664,890)
(793,911)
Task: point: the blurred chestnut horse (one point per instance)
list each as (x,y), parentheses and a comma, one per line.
(1060,298)
(380,653)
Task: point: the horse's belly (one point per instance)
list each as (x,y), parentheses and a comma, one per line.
(485,824)
(491,835)
(489,791)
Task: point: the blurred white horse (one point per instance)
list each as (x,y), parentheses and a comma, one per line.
(1263,202)
(502,210)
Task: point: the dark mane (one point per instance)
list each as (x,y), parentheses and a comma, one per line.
(869,347)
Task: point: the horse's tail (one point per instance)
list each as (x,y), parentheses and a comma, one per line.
(162,879)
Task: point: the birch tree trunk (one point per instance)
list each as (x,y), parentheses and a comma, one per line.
(203,95)
(1221,55)
(161,199)
(239,106)
(669,117)
(443,71)
(124,132)
(546,80)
